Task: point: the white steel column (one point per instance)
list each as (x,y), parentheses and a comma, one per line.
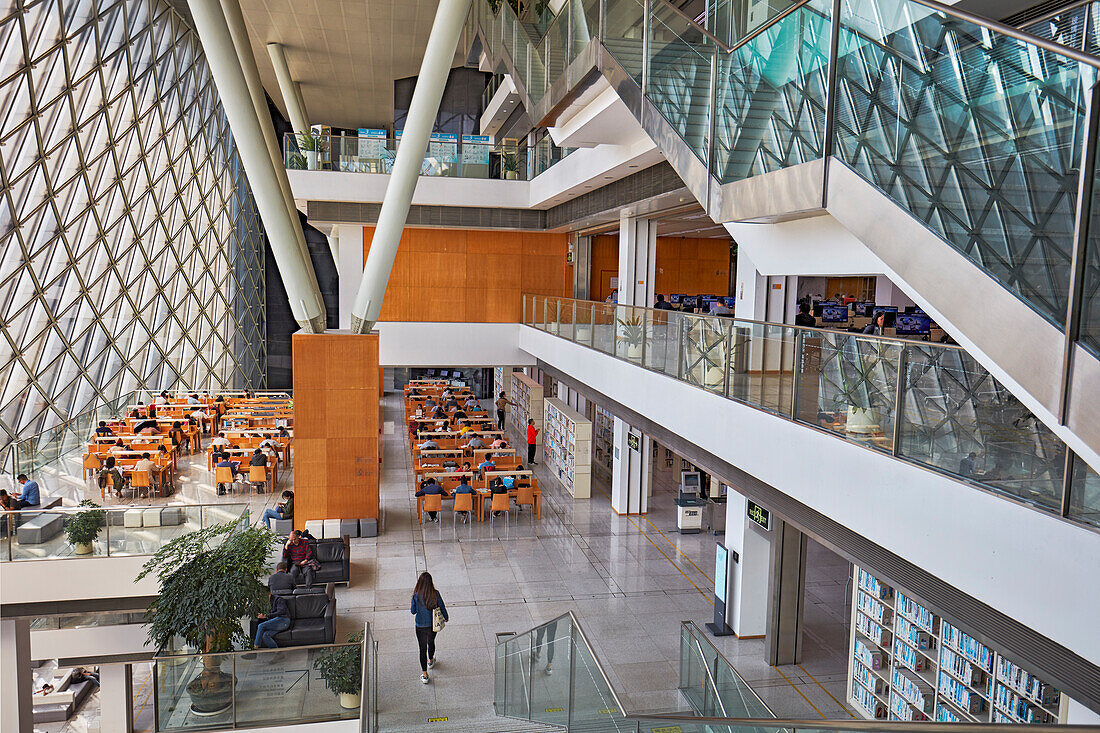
(747,594)
(637,261)
(450,18)
(116,697)
(266,179)
(15,675)
(290,89)
(631,470)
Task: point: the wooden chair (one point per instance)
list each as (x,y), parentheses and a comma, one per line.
(224,475)
(500,503)
(432,503)
(91,465)
(525,496)
(257,476)
(141,481)
(463,503)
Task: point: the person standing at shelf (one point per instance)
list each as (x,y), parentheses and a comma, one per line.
(966,465)
(804,317)
(532,434)
(502,405)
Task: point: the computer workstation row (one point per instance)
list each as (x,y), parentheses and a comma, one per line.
(898,321)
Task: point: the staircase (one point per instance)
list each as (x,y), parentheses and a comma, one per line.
(954,155)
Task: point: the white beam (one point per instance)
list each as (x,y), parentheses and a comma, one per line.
(290,89)
(15,675)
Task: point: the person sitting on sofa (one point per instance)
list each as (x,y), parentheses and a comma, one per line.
(299,556)
(281,580)
(274,621)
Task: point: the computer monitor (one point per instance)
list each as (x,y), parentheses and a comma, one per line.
(676,298)
(821,305)
(729,301)
(864,309)
(891,312)
(690,482)
(913,324)
(690,301)
(834,314)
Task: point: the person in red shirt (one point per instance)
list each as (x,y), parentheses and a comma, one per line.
(532,433)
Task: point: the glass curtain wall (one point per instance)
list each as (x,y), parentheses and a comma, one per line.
(131,253)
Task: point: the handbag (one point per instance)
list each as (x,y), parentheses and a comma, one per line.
(437,620)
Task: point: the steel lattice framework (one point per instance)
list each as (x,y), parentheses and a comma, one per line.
(131,254)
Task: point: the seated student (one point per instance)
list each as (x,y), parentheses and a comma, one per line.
(281,580)
(176,434)
(258,459)
(428,444)
(510,481)
(414,392)
(438,414)
(450,465)
(29,494)
(466,467)
(496,486)
(161,399)
(449,403)
(443,427)
(119,447)
(136,414)
(486,465)
(219,441)
(103,429)
(145,464)
(299,556)
(474,442)
(466,427)
(273,622)
(430,404)
(499,443)
(146,427)
(199,417)
(431,487)
(283,432)
(109,469)
(448,394)
(271,447)
(226,463)
(162,451)
(471,404)
(463,488)
(458,415)
(193,399)
(283,510)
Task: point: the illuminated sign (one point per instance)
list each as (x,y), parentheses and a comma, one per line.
(760,515)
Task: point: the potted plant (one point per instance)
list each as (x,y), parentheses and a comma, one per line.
(342,670)
(313,145)
(82,529)
(511,165)
(632,331)
(209,580)
(296,161)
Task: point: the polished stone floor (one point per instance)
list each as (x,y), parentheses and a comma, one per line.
(629,580)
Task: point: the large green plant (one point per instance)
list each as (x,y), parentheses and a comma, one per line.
(209,580)
(309,141)
(83,527)
(342,667)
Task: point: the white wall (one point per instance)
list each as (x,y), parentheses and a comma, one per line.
(91,641)
(450,344)
(815,246)
(35,581)
(977,542)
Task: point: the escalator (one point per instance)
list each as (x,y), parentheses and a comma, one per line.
(951,146)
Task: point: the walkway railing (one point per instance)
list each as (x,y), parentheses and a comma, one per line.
(927,403)
(123,531)
(266,687)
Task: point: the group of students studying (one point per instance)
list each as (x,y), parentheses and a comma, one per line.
(460,454)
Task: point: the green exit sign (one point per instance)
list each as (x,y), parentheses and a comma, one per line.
(632,441)
(760,515)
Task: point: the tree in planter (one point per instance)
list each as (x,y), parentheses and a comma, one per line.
(313,145)
(342,670)
(83,527)
(632,331)
(209,580)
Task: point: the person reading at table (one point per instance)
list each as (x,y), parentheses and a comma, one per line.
(118,447)
(443,427)
(431,487)
(284,509)
(486,465)
(103,429)
(474,442)
(147,465)
(463,488)
(466,467)
(258,459)
(29,494)
(499,443)
(219,441)
(428,444)
(496,486)
(283,432)
(226,463)
(466,427)
(438,414)
(146,427)
(109,469)
(510,481)
(430,404)
(193,399)
(177,436)
(299,556)
(448,394)
(458,415)
(471,404)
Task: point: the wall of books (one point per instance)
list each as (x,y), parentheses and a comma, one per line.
(909,663)
(603,426)
(527,396)
(567,447)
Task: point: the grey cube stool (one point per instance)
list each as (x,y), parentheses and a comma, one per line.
(40,529)
(349,527)
(368,527)
(171,516)
(283,526)
(316,527)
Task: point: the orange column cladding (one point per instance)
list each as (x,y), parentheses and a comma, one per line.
(337,390)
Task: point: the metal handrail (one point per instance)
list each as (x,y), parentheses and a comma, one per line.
(778,17)
(697,632)
(878,726)
(735,318)
(710,676)
(588,645)
(691,21)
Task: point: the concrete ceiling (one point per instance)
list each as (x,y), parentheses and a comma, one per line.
(344,53)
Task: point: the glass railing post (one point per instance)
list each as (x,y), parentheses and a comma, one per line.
(713,112)
(569,34)
(602,20)
(557,317)
(233,689)
(572,672)
(680,347)
(647,28)
(796,371)
(830,101)
(573,336)
(729,356)
(899,398)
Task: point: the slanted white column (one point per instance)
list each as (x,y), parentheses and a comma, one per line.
(290,89)
(450,19)
(747,595)
(15,675)
(631,469)
(266,179)
(116,697)
(637,261)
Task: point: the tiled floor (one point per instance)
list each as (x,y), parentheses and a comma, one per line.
(629,580)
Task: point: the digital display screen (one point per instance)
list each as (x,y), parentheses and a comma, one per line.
(676,298)
(729,301)
(834,314)
(913,324)
(690,301)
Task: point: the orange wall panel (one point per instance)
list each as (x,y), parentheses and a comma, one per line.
(683,265)
(474,276)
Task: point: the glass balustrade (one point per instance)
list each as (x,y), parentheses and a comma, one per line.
(31,534)
(927,403)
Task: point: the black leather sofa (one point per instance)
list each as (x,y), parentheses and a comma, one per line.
(312,617)
(335,558)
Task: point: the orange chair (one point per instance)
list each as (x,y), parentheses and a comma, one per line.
(525,496)
(141,480)
(224,475)
(257,476)
(91,465)
(500,503)
(432,503)
(463,503)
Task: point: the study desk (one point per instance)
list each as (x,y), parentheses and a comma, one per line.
(422,469)
(480,498)
(243,454)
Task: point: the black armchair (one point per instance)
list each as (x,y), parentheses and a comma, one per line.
(334,555)
(312,617)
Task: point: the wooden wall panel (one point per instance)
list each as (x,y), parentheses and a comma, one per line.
(474,276)
(337,383)
(683,265)
(605,257)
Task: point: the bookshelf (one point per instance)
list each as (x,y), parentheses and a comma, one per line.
(567,447)
(502,378)
(909,663)
(603,431)
(527,394)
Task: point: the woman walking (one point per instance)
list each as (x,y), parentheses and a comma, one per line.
(424,602)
